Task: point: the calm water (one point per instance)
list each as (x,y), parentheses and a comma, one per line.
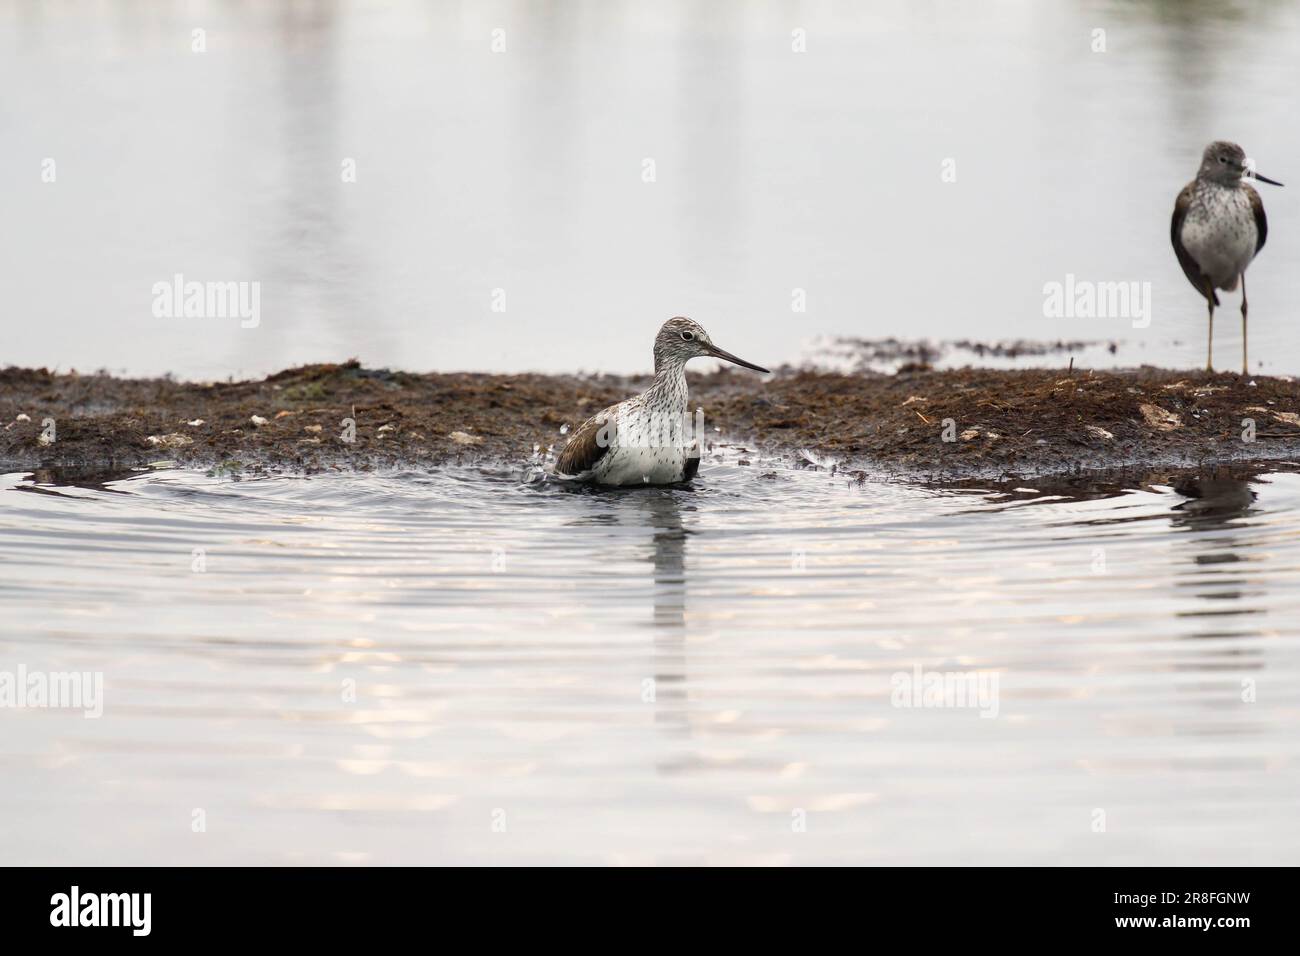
(522,171)
(466,668)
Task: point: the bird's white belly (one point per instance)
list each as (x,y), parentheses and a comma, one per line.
(1221,237)
(642,453)
(641,466)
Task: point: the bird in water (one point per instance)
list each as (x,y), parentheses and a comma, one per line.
(648,439)
(1218,228)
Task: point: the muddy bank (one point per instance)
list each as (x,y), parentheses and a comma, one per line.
(968,423)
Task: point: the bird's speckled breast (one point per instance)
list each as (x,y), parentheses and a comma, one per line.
(653,437)
(1219,232)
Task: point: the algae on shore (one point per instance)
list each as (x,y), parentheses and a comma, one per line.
(926,424)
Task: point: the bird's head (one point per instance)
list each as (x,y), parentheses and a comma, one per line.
(1226,163)
(682,339)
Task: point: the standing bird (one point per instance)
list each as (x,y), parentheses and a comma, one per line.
(646,440)
(1218,228)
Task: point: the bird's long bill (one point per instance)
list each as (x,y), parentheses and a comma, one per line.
(1265,179)
(718,353)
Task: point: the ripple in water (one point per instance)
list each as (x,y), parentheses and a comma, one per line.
(392,668)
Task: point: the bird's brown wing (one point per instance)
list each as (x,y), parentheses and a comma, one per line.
(1190,268)
(588,444)
(1261,220)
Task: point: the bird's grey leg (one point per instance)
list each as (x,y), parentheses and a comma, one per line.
(1243,325)
(1209,345)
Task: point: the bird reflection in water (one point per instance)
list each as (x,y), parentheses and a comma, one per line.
(1220,543)
(663,511)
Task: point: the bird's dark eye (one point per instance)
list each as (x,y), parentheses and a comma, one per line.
(688,336)
(1223,159)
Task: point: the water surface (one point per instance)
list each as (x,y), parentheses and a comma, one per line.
(523,171)
(463,667)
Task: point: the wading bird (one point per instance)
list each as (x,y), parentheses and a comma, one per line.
(1218,228)
(648,439)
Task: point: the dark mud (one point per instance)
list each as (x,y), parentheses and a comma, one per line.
(857,355)
(933,425)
